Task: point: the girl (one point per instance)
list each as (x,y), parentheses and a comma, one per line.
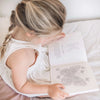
(24,56)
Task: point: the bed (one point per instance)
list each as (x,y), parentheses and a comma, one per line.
(90,30)
(83,20)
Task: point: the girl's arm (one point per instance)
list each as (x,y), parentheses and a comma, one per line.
(24,86)
(19,63)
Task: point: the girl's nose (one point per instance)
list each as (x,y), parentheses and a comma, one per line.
(63,34)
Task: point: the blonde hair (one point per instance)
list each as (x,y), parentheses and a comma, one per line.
(40,16)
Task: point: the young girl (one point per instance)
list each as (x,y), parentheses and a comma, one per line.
(24,56)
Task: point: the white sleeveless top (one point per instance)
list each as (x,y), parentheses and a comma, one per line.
(39,72)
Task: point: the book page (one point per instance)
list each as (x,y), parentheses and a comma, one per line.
(77,78)
(69,49)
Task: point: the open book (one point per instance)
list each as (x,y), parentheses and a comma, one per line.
(69,65)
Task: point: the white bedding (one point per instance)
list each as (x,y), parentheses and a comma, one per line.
(91,35)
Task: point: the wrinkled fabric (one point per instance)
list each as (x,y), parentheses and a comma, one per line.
(6,93)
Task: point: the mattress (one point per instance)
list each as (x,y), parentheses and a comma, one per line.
(91,35)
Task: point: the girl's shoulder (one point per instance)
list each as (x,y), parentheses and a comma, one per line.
(24,56)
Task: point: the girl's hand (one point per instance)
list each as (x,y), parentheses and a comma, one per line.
(55,92)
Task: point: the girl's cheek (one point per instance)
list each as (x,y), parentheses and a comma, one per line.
(43,40)
(40,41)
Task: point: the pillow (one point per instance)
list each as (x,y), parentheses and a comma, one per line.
(82,9)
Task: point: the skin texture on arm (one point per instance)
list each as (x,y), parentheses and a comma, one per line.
(19,63)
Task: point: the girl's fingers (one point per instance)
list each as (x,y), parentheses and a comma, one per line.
(63,33)
(58,98)
(61,97)
(64,94)
(60,86)
(43,96)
